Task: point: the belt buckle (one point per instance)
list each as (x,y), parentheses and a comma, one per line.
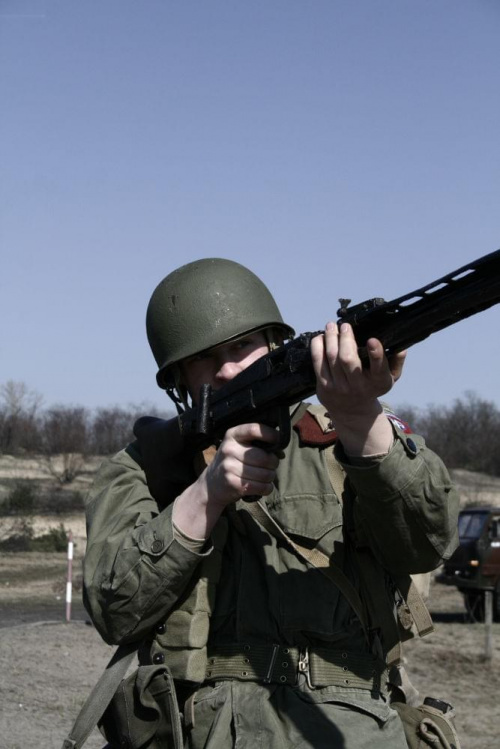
(304,666)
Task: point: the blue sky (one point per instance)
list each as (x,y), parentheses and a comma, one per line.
(337,148)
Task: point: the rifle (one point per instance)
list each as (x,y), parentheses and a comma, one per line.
(265,391)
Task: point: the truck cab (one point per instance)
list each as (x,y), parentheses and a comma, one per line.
(475,566)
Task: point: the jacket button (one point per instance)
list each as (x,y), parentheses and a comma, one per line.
(158,658)
(160,629)
(411,446)
(157,546)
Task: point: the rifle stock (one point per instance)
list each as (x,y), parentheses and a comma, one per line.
(265,390)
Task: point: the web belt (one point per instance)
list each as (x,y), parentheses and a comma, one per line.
(280,664)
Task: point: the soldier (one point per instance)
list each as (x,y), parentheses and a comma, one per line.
(262,648)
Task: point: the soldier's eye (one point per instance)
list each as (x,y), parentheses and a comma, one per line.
(202,356)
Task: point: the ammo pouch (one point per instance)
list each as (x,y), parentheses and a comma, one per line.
(144,712)
(428,725)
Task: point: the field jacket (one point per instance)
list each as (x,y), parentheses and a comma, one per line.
(239,619)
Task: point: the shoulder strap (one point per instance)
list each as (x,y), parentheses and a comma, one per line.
(100,697)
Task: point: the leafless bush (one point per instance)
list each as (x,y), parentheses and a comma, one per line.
(465,434)
(64,441)
(19,407)
(63,435)
(111,430)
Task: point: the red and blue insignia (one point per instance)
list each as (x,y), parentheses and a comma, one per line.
(398,423)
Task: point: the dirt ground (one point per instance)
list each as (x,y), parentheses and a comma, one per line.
(48,666)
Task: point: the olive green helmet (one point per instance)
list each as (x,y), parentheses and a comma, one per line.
(203,304)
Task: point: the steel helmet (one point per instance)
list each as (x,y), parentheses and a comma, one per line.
(203,304)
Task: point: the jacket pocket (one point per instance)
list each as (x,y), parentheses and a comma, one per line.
(310,516)
(313,522)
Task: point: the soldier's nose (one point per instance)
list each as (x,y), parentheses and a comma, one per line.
(227,370)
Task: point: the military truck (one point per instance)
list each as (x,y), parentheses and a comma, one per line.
(475,566)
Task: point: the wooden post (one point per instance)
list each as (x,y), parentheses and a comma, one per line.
(488,621)
(69,582)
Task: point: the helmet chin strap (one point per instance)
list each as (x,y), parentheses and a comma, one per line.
(173,395)
(177,392)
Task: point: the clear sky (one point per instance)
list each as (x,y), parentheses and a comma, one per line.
(338,148)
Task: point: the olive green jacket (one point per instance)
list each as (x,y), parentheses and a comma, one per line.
(246,587)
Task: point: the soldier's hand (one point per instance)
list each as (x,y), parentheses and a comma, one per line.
(240,467)
(343,385)
(350,392)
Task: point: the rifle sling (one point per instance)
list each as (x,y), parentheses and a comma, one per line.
(100,696)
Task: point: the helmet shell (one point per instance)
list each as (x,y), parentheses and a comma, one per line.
(203,304)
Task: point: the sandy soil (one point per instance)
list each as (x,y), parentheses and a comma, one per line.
(49,666)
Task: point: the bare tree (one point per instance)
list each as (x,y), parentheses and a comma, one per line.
(18,417)
(465,434)
(65,443)
(111,430)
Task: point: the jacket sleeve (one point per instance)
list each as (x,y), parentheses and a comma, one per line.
(405,506)
(134,569)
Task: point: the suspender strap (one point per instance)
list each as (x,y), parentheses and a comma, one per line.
(100,697)
(419,611)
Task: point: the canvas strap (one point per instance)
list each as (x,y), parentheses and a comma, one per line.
(100,697)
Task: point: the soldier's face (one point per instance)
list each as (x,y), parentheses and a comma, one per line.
(219,365)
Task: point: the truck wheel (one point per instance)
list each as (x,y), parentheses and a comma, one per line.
(474,605)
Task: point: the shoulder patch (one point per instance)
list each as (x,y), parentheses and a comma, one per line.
(315,431)
(398,423)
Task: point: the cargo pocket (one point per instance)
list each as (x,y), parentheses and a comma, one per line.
(212,724)
(355,700)
(335,717)
(143,713)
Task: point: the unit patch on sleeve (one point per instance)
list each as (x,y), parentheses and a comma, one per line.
(398,423)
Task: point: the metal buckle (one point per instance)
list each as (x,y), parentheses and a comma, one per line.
(304,666)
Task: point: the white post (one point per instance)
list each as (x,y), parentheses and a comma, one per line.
(69,583)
